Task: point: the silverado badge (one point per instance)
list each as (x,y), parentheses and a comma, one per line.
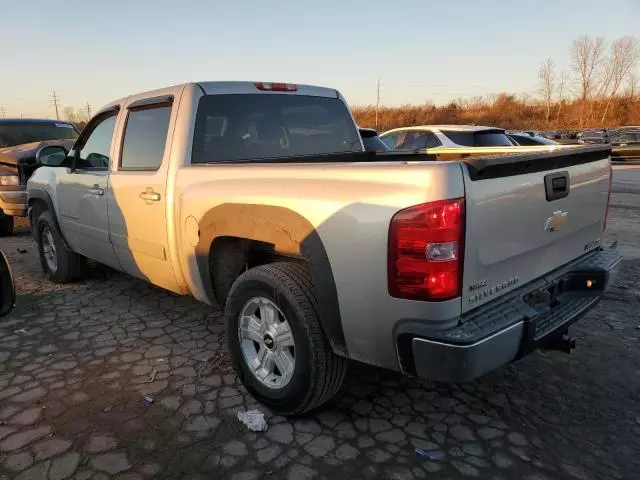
(556,221)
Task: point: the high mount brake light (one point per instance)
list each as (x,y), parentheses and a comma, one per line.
(276,87)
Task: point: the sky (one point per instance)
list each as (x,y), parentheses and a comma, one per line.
(420,50)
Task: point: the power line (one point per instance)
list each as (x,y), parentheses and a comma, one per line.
(55,100)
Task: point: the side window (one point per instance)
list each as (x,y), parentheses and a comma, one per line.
(408,141)
(94,154)
(145,136)
(391,140)
(425,140)
(432,140)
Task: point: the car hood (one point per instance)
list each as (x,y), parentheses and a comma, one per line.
(26,153)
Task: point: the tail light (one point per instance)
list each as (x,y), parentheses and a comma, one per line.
(426,244)
(276,87)
(606,212)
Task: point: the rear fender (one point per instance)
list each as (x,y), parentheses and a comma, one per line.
(291,235)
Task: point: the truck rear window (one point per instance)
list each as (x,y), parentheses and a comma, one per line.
(484,138)
(241,127)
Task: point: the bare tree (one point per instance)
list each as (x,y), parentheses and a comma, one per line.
(586,59)
(82,115)
(69,114)
(624,56)
(587,55)
(547,79)
(562,83)
(632,86)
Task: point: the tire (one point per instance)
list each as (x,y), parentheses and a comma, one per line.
(318,373)
(6,225)
(69,266)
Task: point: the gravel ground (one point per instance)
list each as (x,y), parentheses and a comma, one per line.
(76,361)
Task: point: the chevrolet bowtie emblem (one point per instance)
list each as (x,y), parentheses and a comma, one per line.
(556,221)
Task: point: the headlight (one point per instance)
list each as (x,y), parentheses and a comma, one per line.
(9,180)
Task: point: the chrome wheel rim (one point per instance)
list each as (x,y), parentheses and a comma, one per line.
(49,249)
(266,342)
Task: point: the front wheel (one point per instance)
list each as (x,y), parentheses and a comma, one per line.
(6,224)
(276,343)
(60,264)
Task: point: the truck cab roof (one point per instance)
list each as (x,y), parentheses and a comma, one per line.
(235,87)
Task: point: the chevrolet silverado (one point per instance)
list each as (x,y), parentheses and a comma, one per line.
(260,198)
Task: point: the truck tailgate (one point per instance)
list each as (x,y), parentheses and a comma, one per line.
(528,215)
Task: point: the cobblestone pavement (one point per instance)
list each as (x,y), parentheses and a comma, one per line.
(76,361)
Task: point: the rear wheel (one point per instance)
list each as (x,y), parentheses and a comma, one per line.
(276,343)
(60,264)
(6,225)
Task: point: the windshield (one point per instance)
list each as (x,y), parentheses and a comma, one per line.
(19,133)
(483,138)
(259,127)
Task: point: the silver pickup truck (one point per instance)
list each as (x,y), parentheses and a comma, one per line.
(260,198)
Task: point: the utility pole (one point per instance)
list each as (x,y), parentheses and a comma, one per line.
(377,102)
(55,100)
(88,111)
(2,111)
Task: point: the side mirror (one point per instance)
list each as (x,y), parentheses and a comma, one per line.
(7,287)
(51,156)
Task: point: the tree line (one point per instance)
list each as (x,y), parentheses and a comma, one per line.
(601,90)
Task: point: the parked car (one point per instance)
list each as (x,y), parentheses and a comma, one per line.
(260,198)
(20,139)
(528,139)
(626,145)
(371,140)
(430,136)
(593,136)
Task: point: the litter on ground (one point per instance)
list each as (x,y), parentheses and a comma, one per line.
(254,420)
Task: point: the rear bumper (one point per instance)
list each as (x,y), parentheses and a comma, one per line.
(510,327)
(14,202)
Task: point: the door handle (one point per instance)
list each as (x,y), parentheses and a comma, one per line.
(96,190)
(149,195)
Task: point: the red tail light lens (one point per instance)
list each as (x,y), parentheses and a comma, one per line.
(425,251)
(606,212)
(276,87)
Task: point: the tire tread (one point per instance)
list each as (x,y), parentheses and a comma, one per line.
(328,369)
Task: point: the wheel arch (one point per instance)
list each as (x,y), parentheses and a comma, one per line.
(283,233)
(37,195)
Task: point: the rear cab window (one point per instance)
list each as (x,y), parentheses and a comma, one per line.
(482,138)
(262,127)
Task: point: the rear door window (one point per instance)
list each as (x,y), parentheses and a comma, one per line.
(255,127)
(145,136)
